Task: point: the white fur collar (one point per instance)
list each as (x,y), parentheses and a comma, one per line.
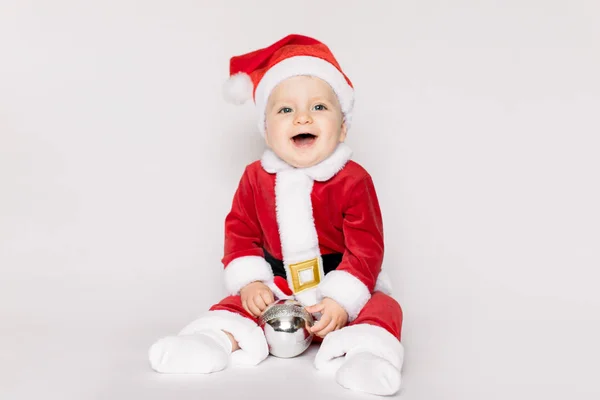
(323,171)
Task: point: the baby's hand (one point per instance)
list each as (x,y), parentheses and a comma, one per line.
(256,296)
(334,317)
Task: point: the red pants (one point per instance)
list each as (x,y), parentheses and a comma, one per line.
(381,310)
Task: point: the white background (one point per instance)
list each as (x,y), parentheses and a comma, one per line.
(478,120)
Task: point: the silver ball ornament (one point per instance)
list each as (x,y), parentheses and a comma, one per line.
(286,325)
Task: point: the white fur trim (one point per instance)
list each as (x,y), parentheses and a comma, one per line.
(347,290)
(323,171)
(358,339)
(238,88)
(309,297)
(297,232)
(272,163)
(383,284)
(244,270)
(333,164)
(304,65)
(250,337)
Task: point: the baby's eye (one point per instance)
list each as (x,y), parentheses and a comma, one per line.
(285,110)
(320,107)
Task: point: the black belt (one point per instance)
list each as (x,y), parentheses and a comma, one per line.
(330,262)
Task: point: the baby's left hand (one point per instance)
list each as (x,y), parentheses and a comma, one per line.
(333,317)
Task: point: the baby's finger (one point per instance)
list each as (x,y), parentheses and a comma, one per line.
(267,297)
(322,323)
(254,310)
(315,308)
(245,305)
(259,302)
(329,328)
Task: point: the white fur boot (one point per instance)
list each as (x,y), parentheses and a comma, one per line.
(203,346)
(200,353)
(372,360)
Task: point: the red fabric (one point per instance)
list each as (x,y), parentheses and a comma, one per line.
(258,62)
(282,284)
(346,214)
(255,59)
(233,304)
(381,310)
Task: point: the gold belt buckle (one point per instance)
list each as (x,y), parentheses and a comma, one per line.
(305,275)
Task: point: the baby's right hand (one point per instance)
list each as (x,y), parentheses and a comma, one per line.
(256,296)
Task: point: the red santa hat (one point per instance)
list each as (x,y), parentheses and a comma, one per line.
(254,75)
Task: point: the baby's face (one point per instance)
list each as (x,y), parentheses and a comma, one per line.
(304,121)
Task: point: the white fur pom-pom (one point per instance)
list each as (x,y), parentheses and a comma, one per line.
(238,88)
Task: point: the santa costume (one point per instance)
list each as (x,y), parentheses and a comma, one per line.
(307,233)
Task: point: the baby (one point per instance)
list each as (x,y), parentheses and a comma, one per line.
(305,223)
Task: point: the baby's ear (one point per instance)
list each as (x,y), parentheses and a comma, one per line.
(344,131)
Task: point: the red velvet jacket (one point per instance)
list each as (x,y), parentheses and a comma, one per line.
(296,214)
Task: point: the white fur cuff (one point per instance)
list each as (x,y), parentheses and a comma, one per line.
(358,339)
(384,283)
(347,290)
(245,270)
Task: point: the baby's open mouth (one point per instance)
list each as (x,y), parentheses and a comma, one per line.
(304,139)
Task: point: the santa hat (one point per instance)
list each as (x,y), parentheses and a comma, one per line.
(254,75)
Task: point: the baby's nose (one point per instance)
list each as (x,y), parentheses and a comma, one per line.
(303,118)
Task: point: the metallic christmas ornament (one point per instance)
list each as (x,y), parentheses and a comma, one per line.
(287,328)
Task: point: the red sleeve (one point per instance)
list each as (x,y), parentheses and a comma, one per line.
(243,236)
(363,235)
(243,259)
(352,283)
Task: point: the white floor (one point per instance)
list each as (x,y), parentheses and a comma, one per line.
(67,363)
(102,355)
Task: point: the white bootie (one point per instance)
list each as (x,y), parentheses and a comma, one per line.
(366,372)
(199,353)
(203,347)
(365,358)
